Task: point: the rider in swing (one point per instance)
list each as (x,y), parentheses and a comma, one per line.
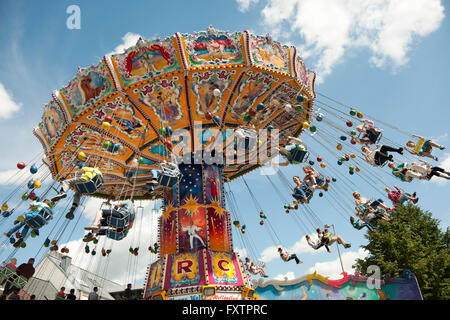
(288,151)
(87,175)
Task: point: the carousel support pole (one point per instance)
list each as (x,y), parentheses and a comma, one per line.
(339,252)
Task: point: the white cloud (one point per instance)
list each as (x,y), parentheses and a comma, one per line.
(332,29)
(244,5)
(302,246)
(7,105)
(269,254)
(20,177)
(123,267)
(445,164)
(332,269)
(8,177)
(287,276)
(91,207)
(440,139)
(241,252)
(128,40)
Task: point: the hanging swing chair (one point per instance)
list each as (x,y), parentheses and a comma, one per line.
(120,227)
(363,210)
(115,222)
(40,219)
(90,186)
(370,137)
(169,175)
(299,155)
(117,235)
(246,138)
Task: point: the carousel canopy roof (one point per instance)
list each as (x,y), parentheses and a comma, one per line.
(201,84)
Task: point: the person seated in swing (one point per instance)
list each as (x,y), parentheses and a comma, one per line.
(371,215)
(116,233)
(404,173)
(358,224)
(245,139)
(254,269)
(167,176)
(423,147)
(326,238)
(431,171)
(398,197)
(286,256)
(317,244)
(312,179)
(302,192)
(369,132)
(88,174)
(379,156)
(416,171)
(120,217)
(251,267)
(37,208)
(360,201)
(288,151)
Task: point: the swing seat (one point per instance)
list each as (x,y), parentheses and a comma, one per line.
(40,219)
(167,180)
(307,192)
(168,177)
(7,272)
(299,155)
(378,213)
(373,138)
(116,235)
(245,137)
(320,180)
(117,222)
(90,186)
(382,164)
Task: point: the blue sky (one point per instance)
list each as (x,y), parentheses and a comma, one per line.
(388,59)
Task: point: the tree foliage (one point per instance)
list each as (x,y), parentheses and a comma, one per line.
(413,241)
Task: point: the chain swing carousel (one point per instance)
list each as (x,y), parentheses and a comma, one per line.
(180,100)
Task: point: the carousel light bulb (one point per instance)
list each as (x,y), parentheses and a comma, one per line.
(216,92)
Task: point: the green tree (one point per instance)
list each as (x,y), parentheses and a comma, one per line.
(413,241)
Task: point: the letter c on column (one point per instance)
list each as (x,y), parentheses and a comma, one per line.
(220,264)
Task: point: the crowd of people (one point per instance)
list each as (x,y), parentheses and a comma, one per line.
(11,291)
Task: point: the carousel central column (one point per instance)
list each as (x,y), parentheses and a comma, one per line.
(196,253)
(195,217)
